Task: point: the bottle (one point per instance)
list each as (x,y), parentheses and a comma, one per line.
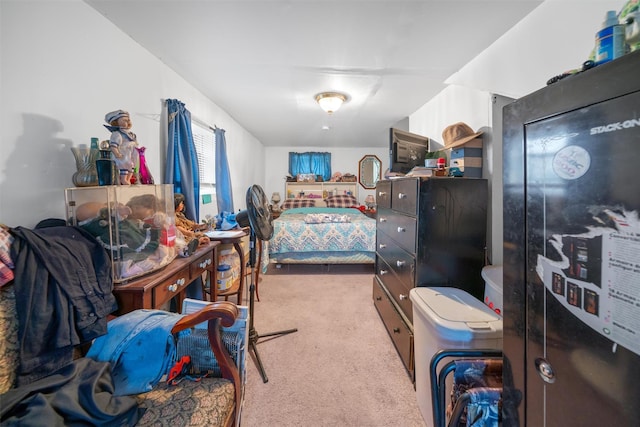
(223,277)
(610,39)
(105,166)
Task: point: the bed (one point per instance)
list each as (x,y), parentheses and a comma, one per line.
(323,235)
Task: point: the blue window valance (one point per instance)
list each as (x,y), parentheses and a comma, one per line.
(310,162)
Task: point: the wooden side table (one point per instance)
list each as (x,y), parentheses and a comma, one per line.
(236,241)
(154,290)
(371,213)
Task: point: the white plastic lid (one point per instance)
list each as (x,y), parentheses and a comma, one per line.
(611,18)
(455,305)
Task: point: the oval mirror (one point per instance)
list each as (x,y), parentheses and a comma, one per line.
(369,171)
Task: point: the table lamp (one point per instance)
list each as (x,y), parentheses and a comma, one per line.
(275,199)
(370,201)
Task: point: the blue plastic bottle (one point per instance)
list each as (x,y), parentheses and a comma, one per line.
(610,39)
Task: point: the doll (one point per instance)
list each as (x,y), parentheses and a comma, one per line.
(145,210)
(123,144)
(189,229)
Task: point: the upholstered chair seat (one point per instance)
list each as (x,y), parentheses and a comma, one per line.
(205,401)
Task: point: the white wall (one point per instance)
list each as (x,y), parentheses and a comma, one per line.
(63,67)
(344,160)
(557,36)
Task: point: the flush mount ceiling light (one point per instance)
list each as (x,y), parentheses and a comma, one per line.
(330,101)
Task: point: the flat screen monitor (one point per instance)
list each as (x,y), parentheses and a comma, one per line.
(406,150)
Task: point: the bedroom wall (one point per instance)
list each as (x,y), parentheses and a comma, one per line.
(63,67)
(555,37)
(344,160)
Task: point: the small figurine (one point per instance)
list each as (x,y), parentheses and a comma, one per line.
(123,144)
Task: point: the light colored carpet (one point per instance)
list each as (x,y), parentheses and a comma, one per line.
(339,369)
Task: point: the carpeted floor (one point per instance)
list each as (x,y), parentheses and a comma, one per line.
(339,369)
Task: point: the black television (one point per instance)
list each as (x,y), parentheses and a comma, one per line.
(406,150)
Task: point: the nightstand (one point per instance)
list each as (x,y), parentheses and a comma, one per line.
(371,213)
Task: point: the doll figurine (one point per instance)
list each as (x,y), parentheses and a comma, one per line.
(123,144)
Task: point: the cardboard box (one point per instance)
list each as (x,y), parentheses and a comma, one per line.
(467,159)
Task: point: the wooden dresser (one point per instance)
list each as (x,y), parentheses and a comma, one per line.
(154,290)
(431,232)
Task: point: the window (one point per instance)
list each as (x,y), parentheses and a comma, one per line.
(205,141)
(310,162)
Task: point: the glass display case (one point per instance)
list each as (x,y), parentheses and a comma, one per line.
(134,223)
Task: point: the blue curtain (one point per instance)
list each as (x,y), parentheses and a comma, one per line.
(310,162)
(182,161)
(224,194)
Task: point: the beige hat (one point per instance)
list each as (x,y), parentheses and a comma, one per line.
(458,134)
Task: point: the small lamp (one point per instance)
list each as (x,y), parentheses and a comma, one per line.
(369,201)
(275,199)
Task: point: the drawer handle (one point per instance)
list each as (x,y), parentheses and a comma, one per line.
(383,272)
(401,229)
(400,263)
(181,281)
(402,196)
(173,287)
(382,219)
(382,193)
(378,298)
(402,297)
(382,245)
(203,264)
(396,330)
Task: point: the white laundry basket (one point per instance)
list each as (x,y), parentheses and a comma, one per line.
(492,275)
(448,318)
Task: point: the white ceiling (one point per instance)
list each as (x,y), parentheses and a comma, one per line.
(264,61)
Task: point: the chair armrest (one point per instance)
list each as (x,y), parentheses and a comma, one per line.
(217,314)
(226,311)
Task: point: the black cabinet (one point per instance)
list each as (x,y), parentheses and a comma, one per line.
(431,232)
(571,250)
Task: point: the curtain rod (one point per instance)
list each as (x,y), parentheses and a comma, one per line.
(202,123)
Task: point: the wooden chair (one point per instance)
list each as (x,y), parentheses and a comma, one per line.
(209,401)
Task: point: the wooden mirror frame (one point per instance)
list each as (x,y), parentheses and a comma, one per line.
(369,171)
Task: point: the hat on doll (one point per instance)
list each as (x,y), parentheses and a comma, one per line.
(458,134)
(115,115)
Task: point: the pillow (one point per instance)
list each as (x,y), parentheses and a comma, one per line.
(341,201)
(297,203)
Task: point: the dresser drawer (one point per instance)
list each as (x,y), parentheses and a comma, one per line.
(396,288)
(401,228)
(383,194)
(170,287)
(400,261)
(404,196)
(401,335)
(201,265)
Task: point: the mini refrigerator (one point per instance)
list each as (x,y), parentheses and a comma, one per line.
(572,251)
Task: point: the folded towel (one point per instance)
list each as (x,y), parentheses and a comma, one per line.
(322,218)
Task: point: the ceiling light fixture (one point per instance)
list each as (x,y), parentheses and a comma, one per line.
(330,101)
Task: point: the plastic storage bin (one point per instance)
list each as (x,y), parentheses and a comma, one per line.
(447,318)
(492,275)
(135,223)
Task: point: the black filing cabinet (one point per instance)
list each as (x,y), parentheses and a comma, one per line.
(430,232)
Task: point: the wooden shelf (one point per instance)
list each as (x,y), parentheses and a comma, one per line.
(320,190)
